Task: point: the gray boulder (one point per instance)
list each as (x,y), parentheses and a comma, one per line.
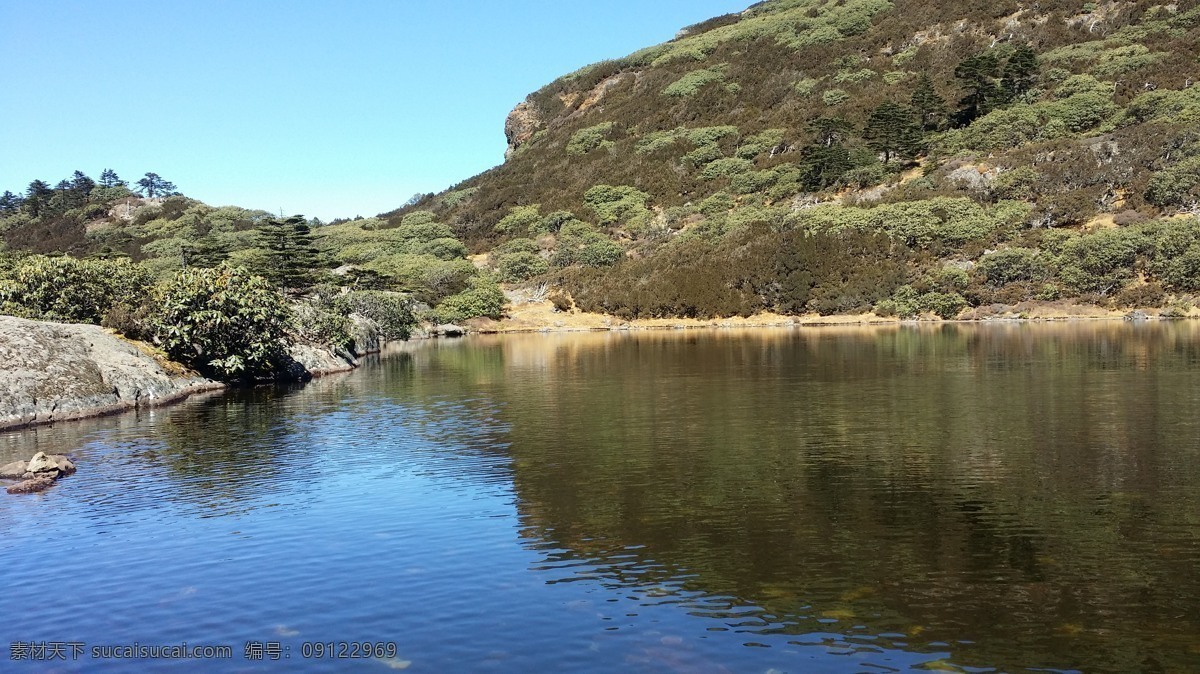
(55,371)
(13,471)
(41,463)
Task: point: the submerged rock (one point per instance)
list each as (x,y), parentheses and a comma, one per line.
(32,485)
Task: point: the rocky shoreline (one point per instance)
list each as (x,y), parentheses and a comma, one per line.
(62,371)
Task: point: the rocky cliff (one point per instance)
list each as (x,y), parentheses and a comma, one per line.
(55,371)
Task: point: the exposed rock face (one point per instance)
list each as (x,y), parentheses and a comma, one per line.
(313,361)
(522,123)
(56,371)
(366,335)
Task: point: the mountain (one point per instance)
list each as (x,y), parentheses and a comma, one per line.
(902,155)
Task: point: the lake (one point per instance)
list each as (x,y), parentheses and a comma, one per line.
(972,498)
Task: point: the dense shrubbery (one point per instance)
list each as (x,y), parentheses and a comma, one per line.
(755,270)
(71,290)
(224,322)
(392,312)
(482,298)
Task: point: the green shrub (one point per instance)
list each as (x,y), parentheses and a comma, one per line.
(620,205)
(519,219)
(223,321)
(834,97)
(1177,185)
(759,143)
(443,249)
(584,141)
(945,305)
(849,76)
(427,278)
(580,244)
(551,223)
(805,86)
(72,290)
(658,140)
(1100,262)
(520,266)
(458,197)
(1176,259)
(318,325)
(481,298)
(692,82)
(1012,265)
(392,312)
(723,168)
(718,203)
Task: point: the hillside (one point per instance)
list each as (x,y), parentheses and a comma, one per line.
(837,156)
(904,157)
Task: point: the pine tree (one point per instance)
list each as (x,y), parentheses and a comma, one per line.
(291,260)
(81,183)
(1020,73)
(37,197)
(109,178)
(930,107)
(891,130)
(153,185)
(9,202)
(979,74)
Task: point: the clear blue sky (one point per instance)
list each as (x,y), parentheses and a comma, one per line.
(330,108)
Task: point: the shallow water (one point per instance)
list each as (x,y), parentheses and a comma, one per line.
(969,498)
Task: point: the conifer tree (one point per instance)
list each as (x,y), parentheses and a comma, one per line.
(154,185)
(891,130)
(109,178)
(979,74)
(290,259)
(37,197)
(1020,73)
(9,202)
(930,107)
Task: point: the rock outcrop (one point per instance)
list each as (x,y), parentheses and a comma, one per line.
(519,127)
(55,371)
(38,473)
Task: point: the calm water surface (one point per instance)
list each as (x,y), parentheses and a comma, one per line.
(959,498)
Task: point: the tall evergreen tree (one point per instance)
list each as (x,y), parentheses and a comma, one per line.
(930,107)
(37,197)
(9,202)
(81,183)
(154,185)
(291,260)
(1020,73)
(891,130)
(979,74)
(109,178)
